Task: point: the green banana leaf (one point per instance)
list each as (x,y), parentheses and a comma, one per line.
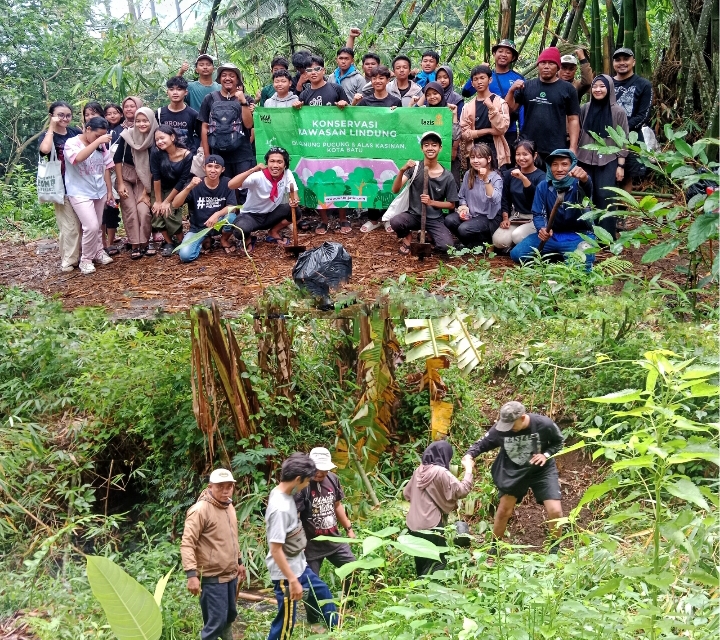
(130,608)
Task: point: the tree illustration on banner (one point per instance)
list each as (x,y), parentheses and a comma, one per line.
(325,183)
(362,182)
(384,197)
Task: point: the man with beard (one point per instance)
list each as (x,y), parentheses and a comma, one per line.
(526,441)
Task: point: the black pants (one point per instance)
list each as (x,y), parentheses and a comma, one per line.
(603,177)
(403,223)
(342,556)
(233,169)
(111,217)
(250,222)
(374,215)
(425,566)
(474,232)
(217,602)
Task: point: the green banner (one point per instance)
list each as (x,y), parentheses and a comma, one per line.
(349,157)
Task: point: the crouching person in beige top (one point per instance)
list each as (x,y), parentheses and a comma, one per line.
(433,493)
(211,555)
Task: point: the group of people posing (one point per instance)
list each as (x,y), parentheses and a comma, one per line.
(308,503)
(516,145)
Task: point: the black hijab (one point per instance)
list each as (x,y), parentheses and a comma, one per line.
(435,86)
(599,114)
(439,453)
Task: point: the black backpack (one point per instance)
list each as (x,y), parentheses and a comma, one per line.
(225,129)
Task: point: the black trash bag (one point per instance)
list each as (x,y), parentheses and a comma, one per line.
(701,185)
(323,269)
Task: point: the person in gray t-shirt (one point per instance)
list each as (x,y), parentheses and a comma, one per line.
(289,571)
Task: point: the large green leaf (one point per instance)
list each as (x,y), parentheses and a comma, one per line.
(685,489)
(160,587)
(659,251)
(130,608)
(418,547)
(703,228)
(618,397)
(372,562)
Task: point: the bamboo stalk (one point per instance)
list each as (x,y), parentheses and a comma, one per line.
(411,28)
(476,16)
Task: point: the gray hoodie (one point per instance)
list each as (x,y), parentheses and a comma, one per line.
(415,90)
(433,492)
(287,101)
(352,83)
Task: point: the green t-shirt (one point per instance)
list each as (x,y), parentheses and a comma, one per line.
(197,93)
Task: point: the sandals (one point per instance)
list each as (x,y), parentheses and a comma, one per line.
(404,249)
(167,249)
(151,250)
(304,225)
(345,227)
(369,226)
(321,229)
(229,250)
(112,250)
(283,242)
(136,254)
(249,246)
(388,227)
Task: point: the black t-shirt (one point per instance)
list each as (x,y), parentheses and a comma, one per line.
(327,95)
(59,142)
(186,124)
(516,196)
(387,101)
(171,175)
(482,121)
(316,507)
(441,189)
(547,105)
(403,92)
(115,133)
(244,151)
(123,153)
(512,465)
(634,94)
(203,202)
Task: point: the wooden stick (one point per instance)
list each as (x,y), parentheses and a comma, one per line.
(294,217)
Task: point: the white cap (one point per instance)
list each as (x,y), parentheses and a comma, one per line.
(568,59)
(221,475)
(322,459)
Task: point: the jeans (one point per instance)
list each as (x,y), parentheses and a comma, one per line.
(191,251)
(217,603)
(561,242)
(284,622)
(342,555)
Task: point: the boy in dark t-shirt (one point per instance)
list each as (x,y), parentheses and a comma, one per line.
(527,442)
(552,108)
(379,78)
(320,508)
(179,116)
(442,194)
(208,200)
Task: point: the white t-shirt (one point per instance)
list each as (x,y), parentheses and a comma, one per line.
(281,518)
(86,178)
(258,192)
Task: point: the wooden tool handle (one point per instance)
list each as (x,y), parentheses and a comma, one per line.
(424,206)
(294,216)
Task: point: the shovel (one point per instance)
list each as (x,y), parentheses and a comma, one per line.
(422,249)
(294,249)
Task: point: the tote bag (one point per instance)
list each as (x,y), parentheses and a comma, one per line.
(50,187)
(402,200)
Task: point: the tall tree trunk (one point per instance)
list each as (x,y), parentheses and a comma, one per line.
(179,16)
(569,23)
(476,16)
(642,40)
(559,27)
(153,14)
(621,26)
(486,37)
(629,22)
(609,38)
(505,12)
(702,32)
(513,16)
(210,26)
(106,4)
(596,53)
(534,20)
(411,28)
(385,23)
(572,35)
(131,10)
(546,25)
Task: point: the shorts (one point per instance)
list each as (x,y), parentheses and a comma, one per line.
(633,167)
(545,486)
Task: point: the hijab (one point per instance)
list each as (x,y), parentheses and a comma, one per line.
(566,182)
(139,144)
(435,86)
(451,96)
(127,124)
(439,453)
(599,114)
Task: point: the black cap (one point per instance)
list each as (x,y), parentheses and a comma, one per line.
(215,159)
(623,51)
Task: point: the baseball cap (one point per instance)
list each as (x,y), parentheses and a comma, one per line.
(215,159)
(568,59)
(322,459)
(509,412)
(204,56)
(221,475)
(430,134)
(623,51)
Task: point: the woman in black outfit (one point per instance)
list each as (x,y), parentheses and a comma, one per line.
(170,164)
(517,198)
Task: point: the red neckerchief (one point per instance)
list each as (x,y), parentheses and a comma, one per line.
(274,191)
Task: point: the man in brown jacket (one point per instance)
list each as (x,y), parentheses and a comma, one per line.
(568,69)
(211,555)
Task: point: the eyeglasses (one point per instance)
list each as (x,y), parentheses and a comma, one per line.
(314,69)
(64,116)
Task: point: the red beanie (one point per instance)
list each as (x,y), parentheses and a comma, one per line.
(551,54)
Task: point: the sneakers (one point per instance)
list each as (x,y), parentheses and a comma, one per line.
(103,258)
(67,268)
(87,267)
